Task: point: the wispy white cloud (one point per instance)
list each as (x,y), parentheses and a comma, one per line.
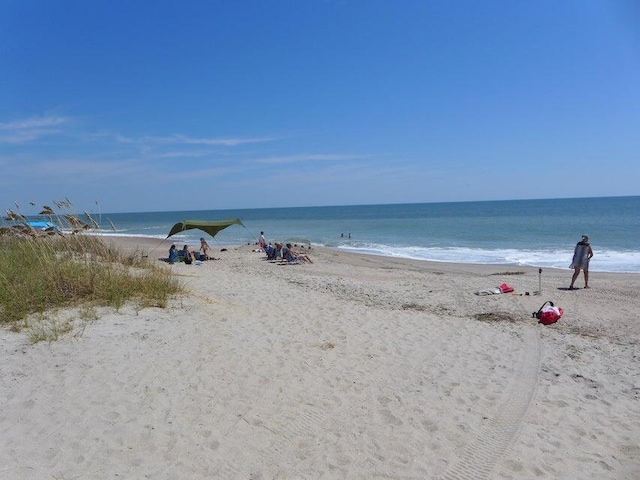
(30,129)
(182,154)
(36,122)
(178,139)
(315,157)
(200,174)
(83,167)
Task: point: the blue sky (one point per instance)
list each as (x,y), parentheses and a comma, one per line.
(165,105)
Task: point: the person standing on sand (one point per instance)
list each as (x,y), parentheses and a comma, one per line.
(262,242)
(581,256)
(204,248)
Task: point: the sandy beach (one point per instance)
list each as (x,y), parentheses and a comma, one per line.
(353,367)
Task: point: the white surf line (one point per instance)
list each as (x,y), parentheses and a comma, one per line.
(477,460)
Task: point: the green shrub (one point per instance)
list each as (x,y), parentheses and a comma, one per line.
(40,273)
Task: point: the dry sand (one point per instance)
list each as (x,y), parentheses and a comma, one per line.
(354,367)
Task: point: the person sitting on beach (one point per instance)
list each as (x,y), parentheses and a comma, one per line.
(292,256)
(186,255)
(173,254)
(581,256)
(271,252)
(204,248)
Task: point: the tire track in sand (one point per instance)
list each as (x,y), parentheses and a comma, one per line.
(478,459)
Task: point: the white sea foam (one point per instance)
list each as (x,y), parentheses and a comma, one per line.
(604,261)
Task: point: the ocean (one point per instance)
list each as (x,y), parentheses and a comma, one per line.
(539,233)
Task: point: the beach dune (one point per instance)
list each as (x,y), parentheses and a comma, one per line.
(354,367)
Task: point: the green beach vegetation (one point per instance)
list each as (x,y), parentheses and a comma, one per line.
(40,274)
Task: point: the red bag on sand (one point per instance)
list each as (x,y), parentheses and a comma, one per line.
(548,314)
(504,288)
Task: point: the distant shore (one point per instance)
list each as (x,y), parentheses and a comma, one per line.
(356,366)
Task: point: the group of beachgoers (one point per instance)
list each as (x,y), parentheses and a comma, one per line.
(187,256)
(276,252)
(283,253)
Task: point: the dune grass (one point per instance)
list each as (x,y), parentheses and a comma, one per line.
(43,273)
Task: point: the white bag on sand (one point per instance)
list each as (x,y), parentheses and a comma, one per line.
(493,291)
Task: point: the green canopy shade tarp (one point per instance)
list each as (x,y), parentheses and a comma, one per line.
(211,227)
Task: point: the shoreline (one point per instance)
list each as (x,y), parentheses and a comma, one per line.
(130,244)
(355,366)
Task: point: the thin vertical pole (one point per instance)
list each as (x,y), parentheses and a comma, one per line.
(539,281)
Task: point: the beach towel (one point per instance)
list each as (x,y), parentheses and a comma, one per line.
(580,256)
